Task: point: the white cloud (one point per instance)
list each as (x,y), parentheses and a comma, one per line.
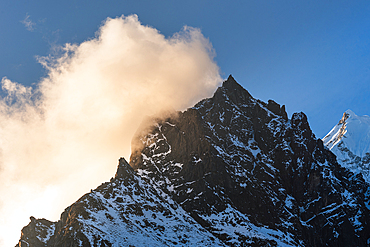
(28,23)
(64,137)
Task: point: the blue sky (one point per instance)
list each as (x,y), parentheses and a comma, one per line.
(312,56)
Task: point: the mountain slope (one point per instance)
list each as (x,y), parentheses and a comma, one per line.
(349,140)
(232,171)
(235,155)
(123,212)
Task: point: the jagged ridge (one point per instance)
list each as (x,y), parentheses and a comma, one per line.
(235,155)
(233,171)
(123,212)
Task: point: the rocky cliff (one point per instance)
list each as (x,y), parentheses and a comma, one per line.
(231,171)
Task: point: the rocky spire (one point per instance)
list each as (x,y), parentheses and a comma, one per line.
(124,169)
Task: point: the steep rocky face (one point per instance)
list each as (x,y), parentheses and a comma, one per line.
(36,233)
(232,171)
(123,212)
(349,140)
(251,176)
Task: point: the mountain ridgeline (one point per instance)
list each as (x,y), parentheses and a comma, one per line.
(230,171)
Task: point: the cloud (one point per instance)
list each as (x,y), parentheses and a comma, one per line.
(28,23)
(64,137)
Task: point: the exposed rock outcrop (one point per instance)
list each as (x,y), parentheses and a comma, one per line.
(231,171)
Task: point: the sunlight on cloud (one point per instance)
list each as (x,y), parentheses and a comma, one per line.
(64,137)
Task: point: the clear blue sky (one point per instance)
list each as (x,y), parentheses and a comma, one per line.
(312,56)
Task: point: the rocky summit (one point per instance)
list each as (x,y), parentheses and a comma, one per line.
(230,171)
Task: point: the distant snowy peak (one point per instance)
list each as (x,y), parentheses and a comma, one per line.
(337,133)
(353,131)
(349,140)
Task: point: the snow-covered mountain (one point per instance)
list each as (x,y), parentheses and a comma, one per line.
(349,140)
(231,171)
(123,212)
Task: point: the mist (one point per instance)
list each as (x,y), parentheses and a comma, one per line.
(64,136)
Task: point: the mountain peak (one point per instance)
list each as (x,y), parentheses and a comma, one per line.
(124,169)
(349,140)
(231,171)
(232,84)
(346,115)
(233,91)
(240,95)
(344,118)
(223,158)
(353,131)
(350,113)
(230,80)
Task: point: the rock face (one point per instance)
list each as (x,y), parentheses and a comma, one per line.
(36,233)
(250,176)
(349,140)
(123,212)
(231,171)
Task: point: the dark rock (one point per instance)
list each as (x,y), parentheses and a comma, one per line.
(232,171)
(234,155)
(123,212)
(124,169)
(37,233)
